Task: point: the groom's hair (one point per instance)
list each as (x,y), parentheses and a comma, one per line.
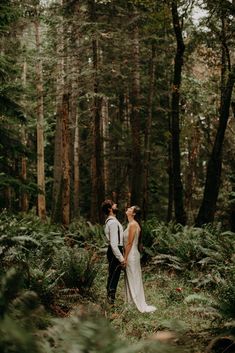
(106,206)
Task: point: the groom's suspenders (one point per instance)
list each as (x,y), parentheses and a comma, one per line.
(118,230)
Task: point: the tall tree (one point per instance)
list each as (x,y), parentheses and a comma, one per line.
(213,177)
(56,213)
(214,167)
(65,180)
(40,126)
(136,163)
(11,111)
(24,194)
(180,214)
(97,174)
(74,40)
(147,140)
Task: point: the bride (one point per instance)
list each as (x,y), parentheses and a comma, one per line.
(133,279)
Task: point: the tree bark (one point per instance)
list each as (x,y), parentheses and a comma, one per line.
(136,172)
(76,168)
(193,155)
(147,137)
(74,55)
(65,161)
(170,174)
(105,135)
(232,201)
(40,127)
(208,207)
(24,201)
(57,170)
(97,171)
(180,215)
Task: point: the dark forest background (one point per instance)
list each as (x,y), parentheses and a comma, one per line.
(130,100)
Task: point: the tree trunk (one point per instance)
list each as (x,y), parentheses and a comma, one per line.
(56,215)
(57,171)
(74,86)
(76,168)
(223,58)
(24,196)
(207,210)
(97,164)
(97,174)
(147,136)
(170,174)
(105,135)
(24,202)
(65,161)
(232,211)
(180,215)
(193,155)
(136,172)
(40,127)
(232,203)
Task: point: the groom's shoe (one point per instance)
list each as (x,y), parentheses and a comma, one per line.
(111,297)
(110,300)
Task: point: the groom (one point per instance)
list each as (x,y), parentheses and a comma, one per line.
(114,233)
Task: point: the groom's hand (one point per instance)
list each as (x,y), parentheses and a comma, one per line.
(123,264)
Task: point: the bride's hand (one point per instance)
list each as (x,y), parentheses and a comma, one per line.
(123,264)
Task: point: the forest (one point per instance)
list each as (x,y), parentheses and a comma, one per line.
(131,100)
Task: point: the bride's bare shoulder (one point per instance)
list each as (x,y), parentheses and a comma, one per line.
(134,225)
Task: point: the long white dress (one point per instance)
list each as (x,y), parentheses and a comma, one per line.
(134,290)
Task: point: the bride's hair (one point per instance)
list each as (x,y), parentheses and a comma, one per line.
(137,218)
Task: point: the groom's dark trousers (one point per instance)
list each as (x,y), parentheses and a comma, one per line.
(114,274)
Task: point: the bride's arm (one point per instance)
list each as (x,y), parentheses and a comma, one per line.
(131,236)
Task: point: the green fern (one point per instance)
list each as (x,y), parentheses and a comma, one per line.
(78,267)
(15,339)
(93,333)
(168,261)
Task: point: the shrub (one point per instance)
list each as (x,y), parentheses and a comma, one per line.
(205,250)
(78,267)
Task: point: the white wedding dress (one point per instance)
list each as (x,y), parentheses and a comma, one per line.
(134,289)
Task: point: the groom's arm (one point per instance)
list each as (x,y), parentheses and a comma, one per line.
(113,233)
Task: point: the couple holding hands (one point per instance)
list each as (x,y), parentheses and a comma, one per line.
(123,252)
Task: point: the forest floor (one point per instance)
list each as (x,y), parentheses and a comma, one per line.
(183,316)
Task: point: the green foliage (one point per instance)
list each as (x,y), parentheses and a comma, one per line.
(77,267)
(20,314)
(169,261)
(8,14)
(92,333)
(11,284)
(15,339)
(12,114)
(82,231)
(50,266)
(226,295)
(45,284)
(59,278)
(208,251)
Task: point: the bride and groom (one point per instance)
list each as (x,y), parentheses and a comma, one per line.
(123,252)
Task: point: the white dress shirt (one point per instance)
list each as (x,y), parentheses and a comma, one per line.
(111,231)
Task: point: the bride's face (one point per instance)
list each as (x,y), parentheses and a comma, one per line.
(130,211)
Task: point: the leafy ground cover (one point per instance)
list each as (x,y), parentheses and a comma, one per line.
(184,316)
(53,297)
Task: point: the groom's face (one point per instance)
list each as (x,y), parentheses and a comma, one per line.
(115,208)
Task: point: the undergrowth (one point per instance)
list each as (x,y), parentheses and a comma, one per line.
(53,298)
